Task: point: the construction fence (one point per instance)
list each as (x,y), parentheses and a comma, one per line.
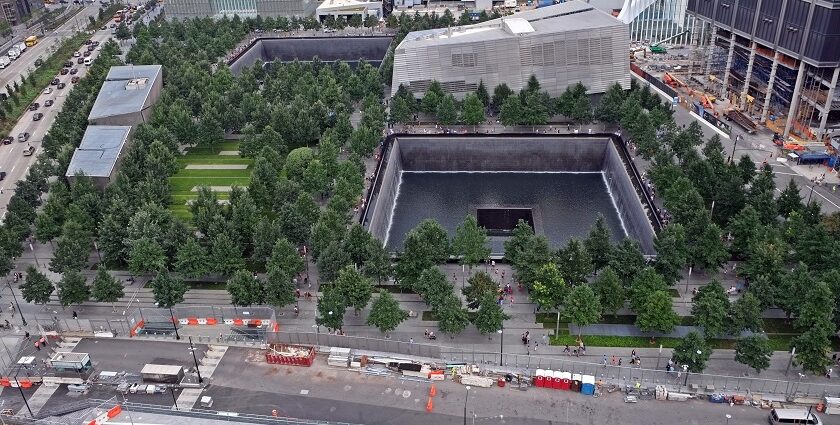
(529,363)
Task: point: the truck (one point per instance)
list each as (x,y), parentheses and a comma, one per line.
(31,40)
(14,53)
(4,62)
(21,46)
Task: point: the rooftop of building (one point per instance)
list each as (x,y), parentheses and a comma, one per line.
(347,5)
(97,155)
(125,90)
(563,17)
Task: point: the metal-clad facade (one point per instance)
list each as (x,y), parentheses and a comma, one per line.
(596,57)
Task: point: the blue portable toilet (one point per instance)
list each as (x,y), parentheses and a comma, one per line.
(587,385)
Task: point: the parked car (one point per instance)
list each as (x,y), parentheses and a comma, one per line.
(68,64)
(88,41)
(91,47)
(64,71)
(48,102)
(22,137)
(48,90)
(39,62)
(73,71)
(95,43)
(34,106)
(37,116)
(103,27)
(76,54)
(54,82)
(86,54)
(8,140)
(29,150)
(80,60)
(2,175)
(75,79)
(61,86)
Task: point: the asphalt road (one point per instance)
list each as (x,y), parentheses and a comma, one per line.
(12,160)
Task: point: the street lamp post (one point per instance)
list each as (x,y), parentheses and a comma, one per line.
(197,370)
(174,325)
(466,399)
(501,345)
(23,397)
(172,390)
(14,297)
(728,417)
(809,195)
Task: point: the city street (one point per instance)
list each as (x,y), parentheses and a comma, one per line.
(12,160)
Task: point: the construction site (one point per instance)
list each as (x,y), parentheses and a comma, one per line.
(730,75)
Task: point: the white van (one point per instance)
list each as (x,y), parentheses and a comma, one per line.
(88,61)
(793,416)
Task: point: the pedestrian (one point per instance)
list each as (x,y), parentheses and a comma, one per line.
(633,353)
(411,340)
(43,341)
(828,374)
(544,338)
(26,334)
(612,361)
(536,345)
(37,345)
(426,333)
(567,350)
(604,361)
(297,293)
(75,315)
(619,362)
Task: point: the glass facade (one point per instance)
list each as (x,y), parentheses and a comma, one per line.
(243,8)
(661,20)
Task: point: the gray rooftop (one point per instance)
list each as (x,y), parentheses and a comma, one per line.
(99,150)
(558,18)
(125,90)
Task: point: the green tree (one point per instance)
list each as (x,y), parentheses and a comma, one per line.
(575,263)
(452,318)
(36,288)
(284,256)
(245,289)
(710,308)
(472,112)
(627,261)
(400,110)
(191,260)
(598,243)
(609,291)
(73,248)
(512,112)
(745,314)
(489,318)
(72,289)
(225,255)
(658,314)
(582,307)
(693,351)
(470,242)
(789,200)
(279,288)
(672,252)
(145,256)
(645,283)
(500,95)
(425,246)
(549,290)
(356,288)
(106,288)
(331,308)
(123,33)
(753,351)
(447,112)
(364,141)
(479,285)
(482,94)
(609,108)
(744,228)
(385,313)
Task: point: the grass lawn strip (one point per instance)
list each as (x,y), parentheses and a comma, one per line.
(183,183)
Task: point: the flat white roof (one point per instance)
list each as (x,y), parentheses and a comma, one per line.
(161,369)
(517,26)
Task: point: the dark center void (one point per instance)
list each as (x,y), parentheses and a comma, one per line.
(563,205)
(502,221)
(304,49)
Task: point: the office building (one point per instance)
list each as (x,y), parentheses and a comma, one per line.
(13,11)
(774,58)
(561,45)
(186,9)
(348,8)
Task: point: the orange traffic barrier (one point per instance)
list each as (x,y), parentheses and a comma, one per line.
(276,327)
(114,411)
(192,321)
(237,322)
(429,405)
(211,321)
(432,391)
(257,322)
(25,383)
(5,382)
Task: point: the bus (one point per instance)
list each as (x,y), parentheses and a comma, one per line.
(31,40)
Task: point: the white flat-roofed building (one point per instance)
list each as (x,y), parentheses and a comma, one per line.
(127,95)
(99,154)
(348,8)
(560,45)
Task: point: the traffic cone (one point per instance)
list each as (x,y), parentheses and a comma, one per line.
(429,405)
(432,391)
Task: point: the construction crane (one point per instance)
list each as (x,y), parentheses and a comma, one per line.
(672,81)
(656,48)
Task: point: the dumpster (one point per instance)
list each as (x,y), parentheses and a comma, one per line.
(588,385)
(539,378)
(576,382)
(296,355)
(501,382)
(566,381)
